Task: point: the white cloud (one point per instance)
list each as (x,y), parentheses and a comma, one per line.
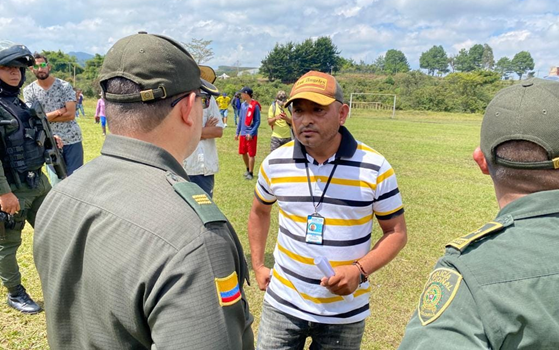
(511,38)
(348,12)
(437,9)
(310,11)
(466,44)
(246,30)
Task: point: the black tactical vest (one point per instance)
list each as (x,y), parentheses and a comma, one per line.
(22,152)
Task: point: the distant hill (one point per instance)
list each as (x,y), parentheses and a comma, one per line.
(232,70)
(81,57)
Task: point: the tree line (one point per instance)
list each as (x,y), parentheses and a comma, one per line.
(478,57)
(286,62)
(464,82)
(461,92)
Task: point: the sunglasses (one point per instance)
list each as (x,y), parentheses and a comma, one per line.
(40,65)
(175,102)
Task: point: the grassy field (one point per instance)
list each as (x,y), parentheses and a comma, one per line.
(444,193)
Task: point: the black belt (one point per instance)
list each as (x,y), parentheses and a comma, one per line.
(30,177)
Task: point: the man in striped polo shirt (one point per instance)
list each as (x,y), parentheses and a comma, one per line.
(328,187)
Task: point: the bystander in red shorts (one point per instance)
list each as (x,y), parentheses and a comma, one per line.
(247,146)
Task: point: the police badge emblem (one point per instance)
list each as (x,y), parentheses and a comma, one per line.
(439,291)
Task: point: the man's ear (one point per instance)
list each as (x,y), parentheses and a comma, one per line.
(344,111)
(185,109)
(479,157)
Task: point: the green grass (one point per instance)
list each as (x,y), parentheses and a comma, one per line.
(445,196)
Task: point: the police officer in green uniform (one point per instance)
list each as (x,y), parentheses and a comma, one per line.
(22,184)
(130,254)
(497,287)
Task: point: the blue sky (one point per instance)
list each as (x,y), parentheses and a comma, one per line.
(246,30)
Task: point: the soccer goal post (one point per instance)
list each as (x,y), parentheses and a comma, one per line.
(371,101)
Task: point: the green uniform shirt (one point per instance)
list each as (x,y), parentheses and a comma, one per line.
(497,288)
(126,263)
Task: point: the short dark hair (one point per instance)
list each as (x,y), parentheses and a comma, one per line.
(523,181)
(37,55)
(124,118)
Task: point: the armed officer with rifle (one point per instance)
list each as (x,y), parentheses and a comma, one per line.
(26,143)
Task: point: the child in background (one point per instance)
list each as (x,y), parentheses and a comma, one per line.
(100,114)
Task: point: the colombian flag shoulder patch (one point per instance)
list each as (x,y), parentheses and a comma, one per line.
(228,290)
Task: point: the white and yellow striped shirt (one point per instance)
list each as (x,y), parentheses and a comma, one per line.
(362,186)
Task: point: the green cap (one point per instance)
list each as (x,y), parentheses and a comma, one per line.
(528,111)
(160,65)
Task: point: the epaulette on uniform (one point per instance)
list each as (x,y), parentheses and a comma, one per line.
(461,243)
(197,199)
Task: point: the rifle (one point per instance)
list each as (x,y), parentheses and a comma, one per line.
(53,155)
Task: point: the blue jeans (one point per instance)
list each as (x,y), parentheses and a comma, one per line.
(79,108)
(280,331)
(236,111)
(206,182)
(73,157)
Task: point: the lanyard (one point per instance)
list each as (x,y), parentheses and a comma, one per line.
(325,187)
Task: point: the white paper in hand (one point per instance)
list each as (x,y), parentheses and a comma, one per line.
(324,266)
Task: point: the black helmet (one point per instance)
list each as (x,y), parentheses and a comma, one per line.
(14,55)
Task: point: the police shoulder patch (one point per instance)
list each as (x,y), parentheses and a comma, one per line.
(439,291)
(197,199)
(463,242)
(228,290)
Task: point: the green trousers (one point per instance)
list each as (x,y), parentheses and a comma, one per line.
(30,200)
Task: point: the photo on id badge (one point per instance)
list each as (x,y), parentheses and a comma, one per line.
(315,229)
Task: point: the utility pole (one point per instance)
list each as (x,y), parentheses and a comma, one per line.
(237,64)
(70,65)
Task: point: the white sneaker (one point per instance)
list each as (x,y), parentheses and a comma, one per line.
(224,125)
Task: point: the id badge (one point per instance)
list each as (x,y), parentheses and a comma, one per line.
(315,229)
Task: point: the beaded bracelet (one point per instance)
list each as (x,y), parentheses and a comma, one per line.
(364,275)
